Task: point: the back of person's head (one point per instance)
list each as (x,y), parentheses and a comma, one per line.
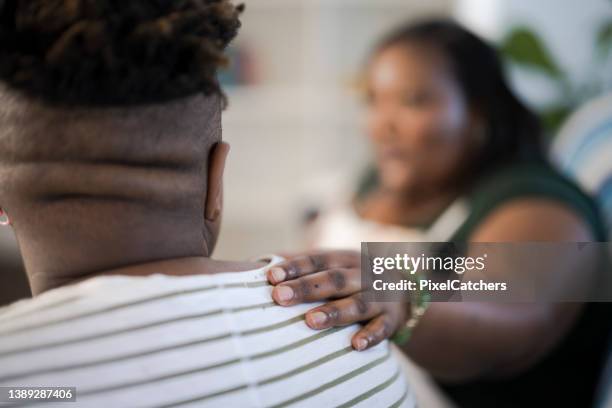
(114,53)
(109,112)
(512,130)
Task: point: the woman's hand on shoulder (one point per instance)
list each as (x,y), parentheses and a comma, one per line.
(335,276)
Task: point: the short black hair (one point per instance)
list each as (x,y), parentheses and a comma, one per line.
(114,52)
(513,130)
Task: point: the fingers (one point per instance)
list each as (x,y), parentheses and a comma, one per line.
(342,312)
(331,283)
(334,274)
(311,263)
(297,267)
(377,330)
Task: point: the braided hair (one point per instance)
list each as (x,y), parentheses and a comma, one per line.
(114,52)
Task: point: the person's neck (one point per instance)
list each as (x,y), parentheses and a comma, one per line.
(74,247)
(187,266)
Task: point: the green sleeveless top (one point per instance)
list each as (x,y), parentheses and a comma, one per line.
(569,374)
(519,180)
(526,181)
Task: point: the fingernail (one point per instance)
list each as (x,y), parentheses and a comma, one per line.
(278,274)
(361,344)
(284,293)
(316,319)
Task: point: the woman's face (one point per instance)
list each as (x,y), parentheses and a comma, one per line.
(418,119)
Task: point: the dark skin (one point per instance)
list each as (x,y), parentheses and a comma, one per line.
(422,130)
(88,196)
(422,133)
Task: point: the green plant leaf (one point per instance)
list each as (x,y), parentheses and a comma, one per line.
(525,48)
(553,117)
(604,39)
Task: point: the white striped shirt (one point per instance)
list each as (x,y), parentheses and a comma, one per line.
(207,340)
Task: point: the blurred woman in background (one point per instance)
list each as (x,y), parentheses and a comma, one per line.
(446,130)
(460,158)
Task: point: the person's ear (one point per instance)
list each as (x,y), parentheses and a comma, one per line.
(214,193)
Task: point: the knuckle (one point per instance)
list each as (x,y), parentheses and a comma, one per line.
(317,262)
(337,279)
(304,288)
(387,328)
(361,305)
